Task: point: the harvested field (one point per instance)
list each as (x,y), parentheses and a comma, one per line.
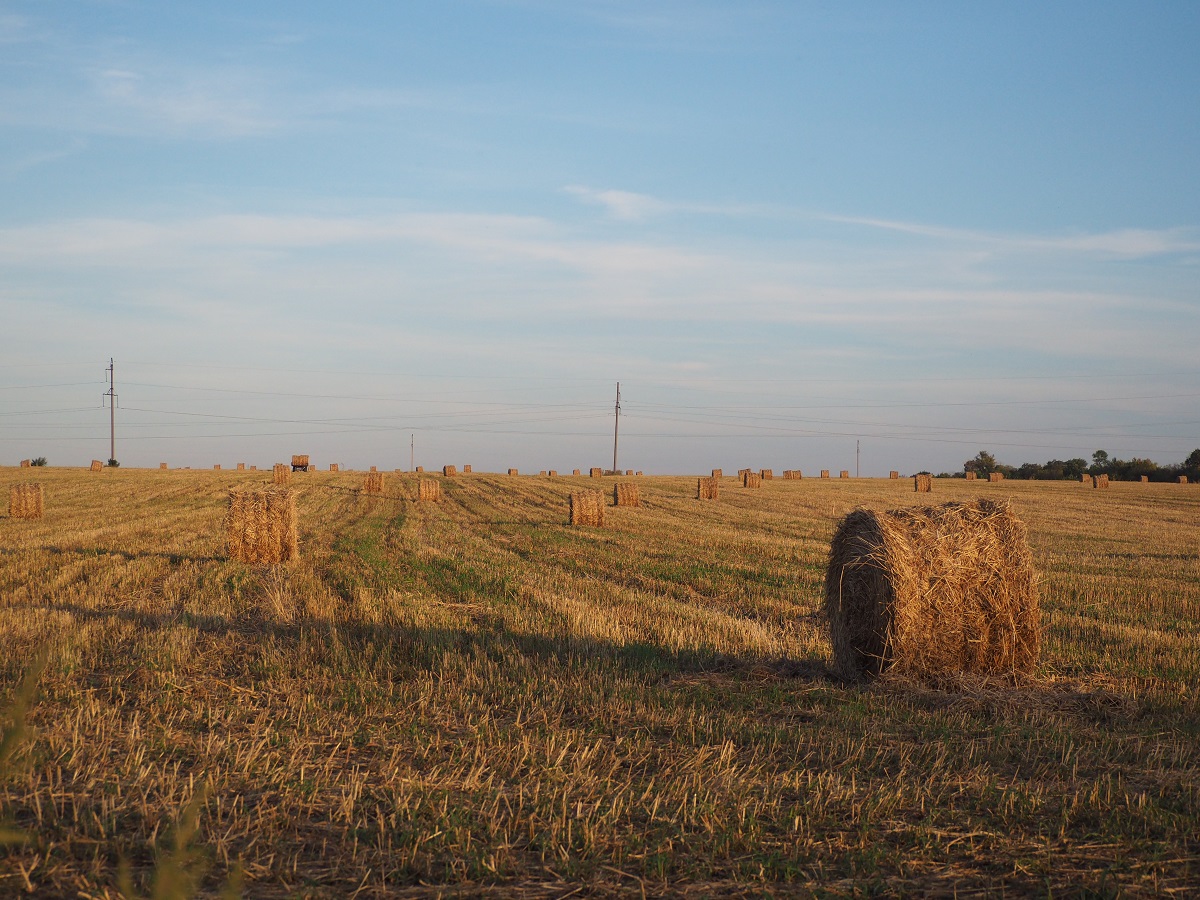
(475,698)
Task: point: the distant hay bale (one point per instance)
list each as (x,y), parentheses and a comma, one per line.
(1100,481)
(26,464)
(373,483)
(514,471)
(893,474)
(1183,479)
(767,474)
(595,472)
(280,474)
(629,472)
(707,488)
(638,472)
(254,468)
(97,466)
(376,469)
(241,467)
(1085,478)
(217,467)
(300,462)
(542,474)
(261,525)
(429,491)
(792,475)
(467,469)
(742,473)
(717,473)
(576,472)
(626,494)
(26,501)
(923,484)
(553,473)
(587,508)
(449,471)
(162,465)
(824,473)
(971,476)
(418,469)
(333,467)
(994,477)
(932,591)
(844,473)
(1146,478)
(752,480)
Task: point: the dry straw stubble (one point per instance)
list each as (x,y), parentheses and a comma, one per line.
(933,591)
(586,508)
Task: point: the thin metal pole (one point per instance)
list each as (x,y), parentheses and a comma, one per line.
(112,411)
(412,444)
(856,450)
(616,424)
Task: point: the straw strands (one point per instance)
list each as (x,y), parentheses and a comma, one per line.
(429,491)
(707,488)
(261,525)
(587,508)
(280,474)
(752,480)
(373,483)
(923,484)
(26,501)
(932,591)
(626,494)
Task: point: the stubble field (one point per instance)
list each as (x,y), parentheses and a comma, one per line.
(472,696)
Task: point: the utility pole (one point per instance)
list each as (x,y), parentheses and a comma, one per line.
(112,411)
(412,451)
(616,424)
(856,449)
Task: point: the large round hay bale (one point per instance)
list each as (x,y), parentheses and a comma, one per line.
(931,591)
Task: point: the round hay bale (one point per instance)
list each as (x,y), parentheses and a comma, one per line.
(932,591)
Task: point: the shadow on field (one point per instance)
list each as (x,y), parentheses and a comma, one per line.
(426,648)
(57,550)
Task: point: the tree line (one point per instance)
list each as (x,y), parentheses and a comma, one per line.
(984,463)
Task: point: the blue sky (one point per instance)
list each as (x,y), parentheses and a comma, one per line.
(785,227)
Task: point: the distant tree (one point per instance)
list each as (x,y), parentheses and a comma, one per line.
(1030,471)
(983,464)
(38,461)
(113,463)
(1074,468)
(1099,462)
(1191,466)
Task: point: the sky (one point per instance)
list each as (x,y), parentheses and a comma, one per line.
(862,235)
